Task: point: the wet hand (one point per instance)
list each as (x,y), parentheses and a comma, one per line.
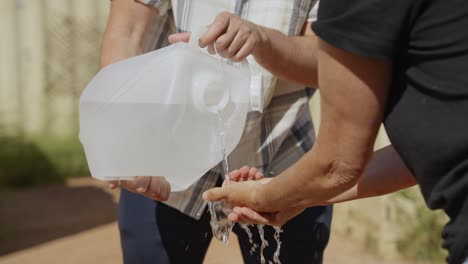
(248,205)
(245,173)
(249,216)
(154,187)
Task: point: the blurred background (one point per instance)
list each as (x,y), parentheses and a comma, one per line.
(51,211)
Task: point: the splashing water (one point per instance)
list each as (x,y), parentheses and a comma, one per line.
(278,231)
(220,225)
(246,228)
(219,211)
(264,244)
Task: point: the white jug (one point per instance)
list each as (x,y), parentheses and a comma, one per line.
(157,114)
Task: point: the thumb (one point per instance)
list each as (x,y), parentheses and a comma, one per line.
(179,37)
(215,194)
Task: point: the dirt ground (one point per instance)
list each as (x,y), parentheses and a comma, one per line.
(75,223)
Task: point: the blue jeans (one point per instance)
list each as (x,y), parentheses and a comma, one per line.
(152,232)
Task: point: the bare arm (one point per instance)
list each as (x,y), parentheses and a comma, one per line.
(354,91)
(386,173)
(290,58)
(126,29)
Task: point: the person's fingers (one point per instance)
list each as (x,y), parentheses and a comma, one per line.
(245,51)
(139,184)
(159,189)
(215,194)
(113,184)
(238,217)
(233,217)
(255,217)
(243,220)
(224,41)
(225,182)
(234,175)
(179,37)
(237,43)
(258,176)
(252,172)
(211,49)
(244,172)
(165,190)
(248,216)
(155,186)
(142,183)
(218,27)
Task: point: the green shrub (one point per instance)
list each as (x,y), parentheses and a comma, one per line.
(22,163)
(420,230)
(30,162)
(66,155)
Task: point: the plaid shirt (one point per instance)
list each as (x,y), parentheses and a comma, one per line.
(273,140)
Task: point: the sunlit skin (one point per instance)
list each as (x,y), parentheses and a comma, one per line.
(386,173)
(343,148)
(233,37)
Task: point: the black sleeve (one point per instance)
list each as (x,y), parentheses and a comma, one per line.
(370,28)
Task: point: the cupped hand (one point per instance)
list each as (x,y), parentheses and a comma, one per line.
(248,206)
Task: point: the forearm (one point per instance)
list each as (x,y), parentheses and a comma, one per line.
(289,58)
(353,92)
(386,173)
(126,30)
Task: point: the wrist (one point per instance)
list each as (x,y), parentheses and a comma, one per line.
(263,47)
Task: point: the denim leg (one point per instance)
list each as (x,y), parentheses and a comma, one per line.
(139,234)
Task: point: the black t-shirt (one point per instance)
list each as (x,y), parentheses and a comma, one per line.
(427,113)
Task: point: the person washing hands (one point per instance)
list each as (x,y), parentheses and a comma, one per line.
(380,61)
(158,226)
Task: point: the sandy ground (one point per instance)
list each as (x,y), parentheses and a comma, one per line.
(50,225)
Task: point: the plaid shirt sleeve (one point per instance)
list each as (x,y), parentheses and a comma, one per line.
(161,5)
(313,12)
(273,140)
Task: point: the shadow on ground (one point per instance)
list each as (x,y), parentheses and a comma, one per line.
(29,217)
